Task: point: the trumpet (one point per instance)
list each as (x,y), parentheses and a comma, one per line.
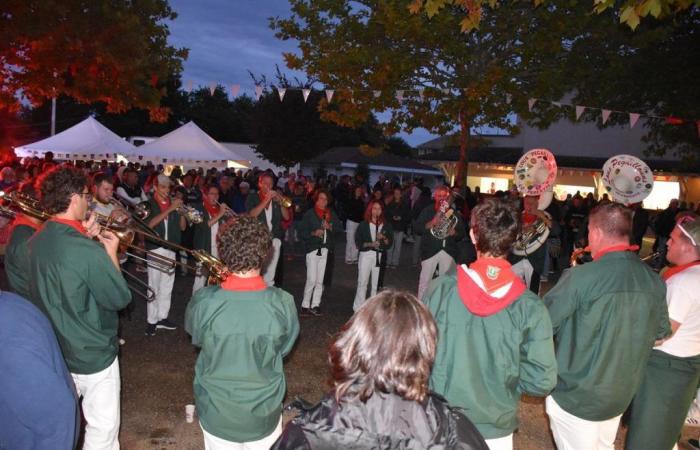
(191,214)
(228,212)
(284,201)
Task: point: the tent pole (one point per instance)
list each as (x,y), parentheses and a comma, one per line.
(53,116)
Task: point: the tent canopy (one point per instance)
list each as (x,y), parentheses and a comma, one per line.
(187,146)
(88,139)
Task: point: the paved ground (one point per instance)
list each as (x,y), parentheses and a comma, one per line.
(157,371)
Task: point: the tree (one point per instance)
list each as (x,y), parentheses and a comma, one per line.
(631,12)
(426,72)
(112,51)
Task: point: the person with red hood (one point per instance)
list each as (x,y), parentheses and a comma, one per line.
(495,335)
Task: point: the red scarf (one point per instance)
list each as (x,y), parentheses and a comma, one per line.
(236,283)
(75,224)
(323,214)
(529,218)
(21,219)
(678,269)
(480,303)
(163,204)
(494,272)
(212,209)
(614,248)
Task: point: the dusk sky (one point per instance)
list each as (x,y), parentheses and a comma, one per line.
(229,38)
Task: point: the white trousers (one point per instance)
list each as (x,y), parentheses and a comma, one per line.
(524,270)
(442,261)
(162,284)
(393,255)
(351,250)
(269,275)
(573,433)
(100,392)
(504,443)
(315,271)
(199,280)
(212,442)
(366,267)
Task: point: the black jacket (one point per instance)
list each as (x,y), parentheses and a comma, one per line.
(384,422)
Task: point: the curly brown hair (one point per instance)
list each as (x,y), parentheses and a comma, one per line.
(244,244)
(496,224)
(57,186)
(387,346)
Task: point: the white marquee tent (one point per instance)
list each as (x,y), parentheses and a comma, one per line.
(88,139)
(188,146)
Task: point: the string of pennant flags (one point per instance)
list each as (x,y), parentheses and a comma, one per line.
(400,95)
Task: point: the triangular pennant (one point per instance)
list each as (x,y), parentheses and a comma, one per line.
(235,88)
(188,89)
(558,104)
(421,93)
(606,115)
(509,98)
(305,93)
(258,92)
(329,95)
(212,88)
(281,92)
(531,103)
(399,95)
(376,94)
(634,117)
(579,111)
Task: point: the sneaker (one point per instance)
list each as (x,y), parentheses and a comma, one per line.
(150,329)
(694,443)
(305,311)
(316,311)
(166,325)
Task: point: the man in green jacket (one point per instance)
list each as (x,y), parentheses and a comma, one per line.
(245,328)
(17,253)
(437,253)
(606,316)
(495,335)
(265,205)
(79,285)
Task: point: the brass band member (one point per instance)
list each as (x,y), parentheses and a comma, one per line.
(17,253)
(168,224)
(244,328)
(316,229)
(213,214)
(266,207)
(79,286)
(606,315)
(437,253)
(373,237)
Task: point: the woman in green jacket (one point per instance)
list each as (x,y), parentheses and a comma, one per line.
(373,237)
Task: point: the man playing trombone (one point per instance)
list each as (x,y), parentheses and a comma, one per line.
(78,284)
(271,214)
(165,220)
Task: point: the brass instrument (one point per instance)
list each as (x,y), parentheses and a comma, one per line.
(191,214)
(446,221)
(284,201)
(531,237)
(228,212)
(581,256)
(28,205)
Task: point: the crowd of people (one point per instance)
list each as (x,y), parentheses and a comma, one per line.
(444,368)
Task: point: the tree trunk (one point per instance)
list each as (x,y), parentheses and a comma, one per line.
(464,137)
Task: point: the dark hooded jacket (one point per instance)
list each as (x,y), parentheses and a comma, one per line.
(383,422)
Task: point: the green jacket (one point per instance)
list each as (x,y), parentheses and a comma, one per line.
(606,315)
(253,200)
(310,223)
(202,231)
(174,231)
(484,364)
(81,292)
(363,235)
(430,246)
(17,260)
(239,380)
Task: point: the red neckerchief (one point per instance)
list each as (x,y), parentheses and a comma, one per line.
(21,219)
(615,248)
(494,272)
(528,218)
(212,209)
(322,214)
(236,283)
(165,204)
(678,269)
(75,224)
(480,303)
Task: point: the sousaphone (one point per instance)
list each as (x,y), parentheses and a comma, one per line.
(627,179)
(534,176)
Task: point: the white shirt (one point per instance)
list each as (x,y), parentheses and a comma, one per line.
(214,232)
(683,299)
(268,216)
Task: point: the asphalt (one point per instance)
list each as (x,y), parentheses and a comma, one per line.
(157,371)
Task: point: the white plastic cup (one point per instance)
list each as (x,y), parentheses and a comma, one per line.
(189,413)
